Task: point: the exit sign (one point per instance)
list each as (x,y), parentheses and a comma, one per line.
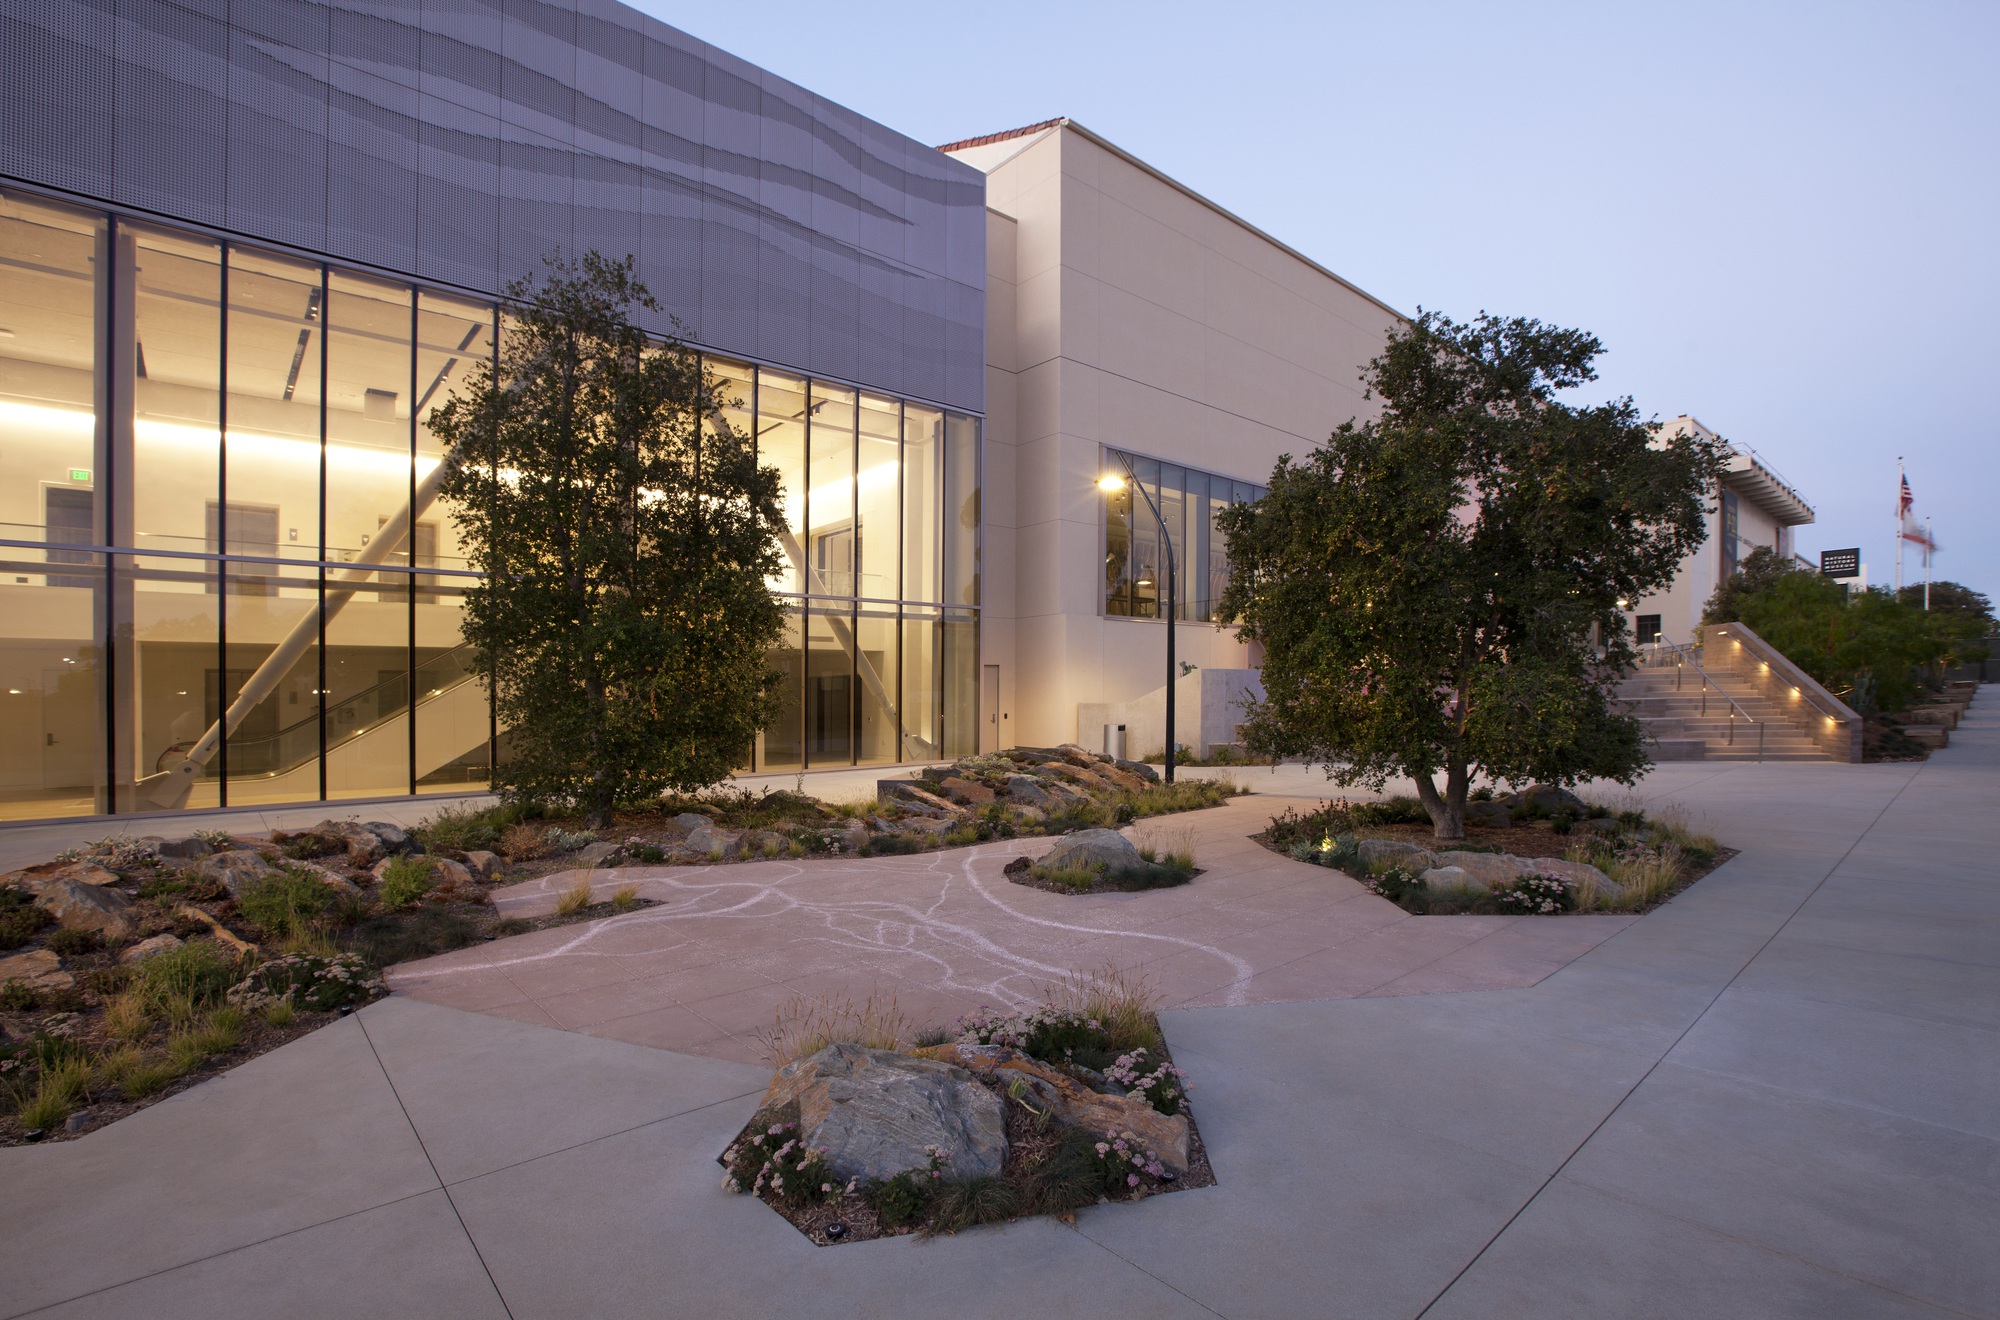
(79,474)
(1840,563)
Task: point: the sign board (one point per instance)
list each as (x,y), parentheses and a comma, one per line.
(1840,563)
(79,474)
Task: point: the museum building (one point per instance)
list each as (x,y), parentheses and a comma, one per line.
(246,253)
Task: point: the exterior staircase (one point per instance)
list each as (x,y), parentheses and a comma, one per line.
(1722,719)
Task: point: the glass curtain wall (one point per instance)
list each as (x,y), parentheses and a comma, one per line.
(1188,502)
(881,507)
(220,539)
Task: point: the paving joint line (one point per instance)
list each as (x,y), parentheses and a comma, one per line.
(1707,1008)
(1115,1254)
(602,1136)
(1786,1253)
(449,1199)
(217,1255)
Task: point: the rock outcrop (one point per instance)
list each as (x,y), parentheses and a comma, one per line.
(78,906)
(1070,1101)
(876,1112)
(1093,848)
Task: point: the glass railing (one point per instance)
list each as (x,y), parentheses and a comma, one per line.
(347,719)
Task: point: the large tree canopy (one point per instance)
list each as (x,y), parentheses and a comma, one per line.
(627,536)
(1437,590)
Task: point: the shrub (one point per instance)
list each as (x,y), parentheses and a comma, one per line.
(71,943)
(647,853)
(1127,1165)
(280,1013)
(466,828)
(564,841)
(972,1201)
(1122,1003)
(392,938)
(523,842)
(804,1027)
(135,1073)
(1052,1034)
(18,997)
(404,881)
(303,847)
(625,899)
(285,904)
(1164,1085)
(1539,895)
(125,1018)
(1150,875)
(574,899)
(901,1201)
(217,1033)
(182,982)
(1068,1176)
(891,845)
(1405,888)
(20,919)
(56,1094)
(309,981)
(776,1160)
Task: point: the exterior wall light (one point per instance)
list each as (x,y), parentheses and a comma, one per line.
(1111,482)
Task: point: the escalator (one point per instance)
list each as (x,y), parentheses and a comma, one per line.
(367,737)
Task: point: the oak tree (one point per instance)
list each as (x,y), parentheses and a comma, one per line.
(1436,590)
(627,536)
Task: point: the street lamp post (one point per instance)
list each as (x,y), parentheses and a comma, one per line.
(1111,481)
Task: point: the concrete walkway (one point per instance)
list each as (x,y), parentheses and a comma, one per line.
(1773,1096)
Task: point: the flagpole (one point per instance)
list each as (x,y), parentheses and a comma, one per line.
(1901,482)
(1928,543)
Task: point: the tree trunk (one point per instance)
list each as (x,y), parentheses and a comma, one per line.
(1447,810)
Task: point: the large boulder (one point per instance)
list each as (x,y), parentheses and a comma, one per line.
(1028,791)
(967,793)
(144,949)
(484,864)
(1446,879)
(34,879)
(876,1111)
(1072,1102)
(1488,813)
(1380,854)
(692,821)
(593,855)
(89,907)
(38,969)
(1579,874)
(914,799)
(1486,869)
(1093,848)
(706,841)
(237,868)
(189,849)
(1140,770)
(370,843)
(1548,798)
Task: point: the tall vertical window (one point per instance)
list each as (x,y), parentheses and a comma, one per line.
(219,474)
(1135,565)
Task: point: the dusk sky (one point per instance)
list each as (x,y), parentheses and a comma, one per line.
(1781,219)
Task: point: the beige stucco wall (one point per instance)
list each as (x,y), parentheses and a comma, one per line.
(1126,312)
(1680,605)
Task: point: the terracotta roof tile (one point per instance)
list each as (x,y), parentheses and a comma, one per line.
(1002,137)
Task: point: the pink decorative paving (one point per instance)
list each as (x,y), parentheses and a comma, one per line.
(945,932)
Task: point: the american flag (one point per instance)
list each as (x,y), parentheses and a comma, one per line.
(1913,531)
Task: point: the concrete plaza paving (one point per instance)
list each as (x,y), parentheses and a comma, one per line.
(1774,1096)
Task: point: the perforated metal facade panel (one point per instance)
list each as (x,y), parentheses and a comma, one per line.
(461,140)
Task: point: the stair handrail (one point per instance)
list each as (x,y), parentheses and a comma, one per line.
(1838,729)
(1685,660)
